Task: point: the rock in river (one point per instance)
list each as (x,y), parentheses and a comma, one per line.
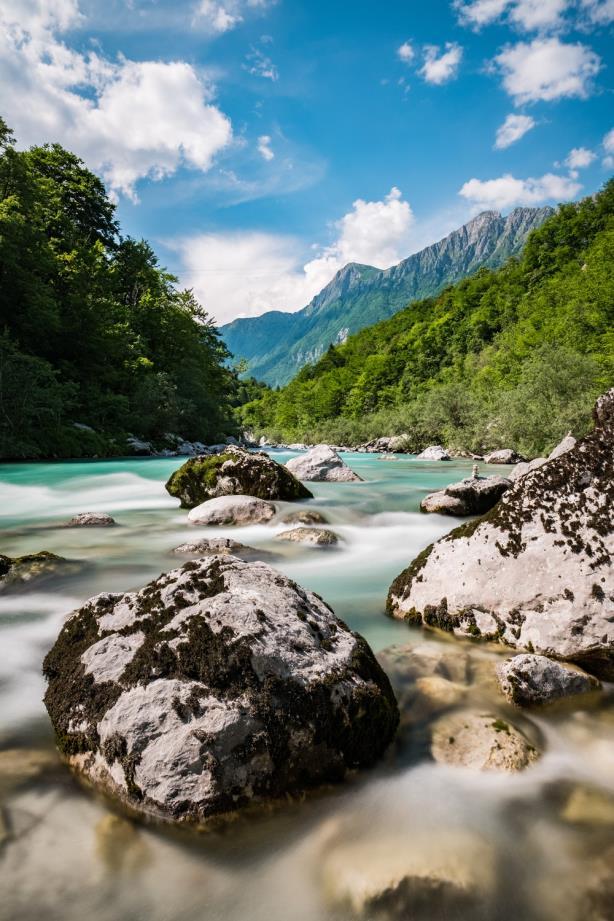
(304,516)
(503,456)
(466,738)
(472,496)
(322,464)
(434,453)
(316,537)
(210,546)
(91,520)
(19,572)
(220,684)
(536,572)
(234,471)
(232,510)
(530,680)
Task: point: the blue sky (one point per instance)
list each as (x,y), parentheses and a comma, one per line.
(260,145)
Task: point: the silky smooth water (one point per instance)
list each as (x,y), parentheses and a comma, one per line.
(65,854)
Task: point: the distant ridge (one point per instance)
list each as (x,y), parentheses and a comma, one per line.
(276,345)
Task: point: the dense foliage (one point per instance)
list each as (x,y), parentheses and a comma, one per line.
(510,357)
(96,341)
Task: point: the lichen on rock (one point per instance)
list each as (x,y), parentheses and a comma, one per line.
(218,685)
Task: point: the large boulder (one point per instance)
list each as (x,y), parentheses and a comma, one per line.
(232,510)
(536,572)
(314,537)
(483,741)
(218,685)
(503,456)
(231,472)
(472,496)
(322,464)
(529,680)
(434,453)
(21,571)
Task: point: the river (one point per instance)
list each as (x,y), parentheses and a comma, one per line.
(531,842)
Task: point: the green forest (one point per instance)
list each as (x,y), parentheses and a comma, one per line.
(96,340)
(513,357)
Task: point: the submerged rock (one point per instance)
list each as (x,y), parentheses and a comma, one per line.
(234,471)
(232,510)
(18,572)
(91,520)
(316,537)
(218,685)
(536,572)
(434,453)
(530,680)
(304,516)
(322,464)
(467,738)
(503,456)
(472,496)
(210,546)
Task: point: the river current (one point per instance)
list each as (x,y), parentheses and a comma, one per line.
(538,845)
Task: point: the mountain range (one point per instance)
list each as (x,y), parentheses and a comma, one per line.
(276,345)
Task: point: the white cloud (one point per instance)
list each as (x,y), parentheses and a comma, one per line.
(547,69)
(264,147)
(579,157)
(405,52)
(260,64)
(599,12)
(508,192)
(244,274)
(608,146)
(439,68)
(513,128)
(529,15)
(128,120)
(218,16)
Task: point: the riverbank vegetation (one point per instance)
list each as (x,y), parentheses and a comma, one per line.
(96,339)
(514,356)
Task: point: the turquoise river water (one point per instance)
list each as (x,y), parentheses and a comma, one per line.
(537,845)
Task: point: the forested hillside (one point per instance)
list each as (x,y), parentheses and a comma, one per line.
(93,333)
(514,356)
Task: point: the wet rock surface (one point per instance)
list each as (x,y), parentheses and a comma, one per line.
(322,464)
(472,496)
(17,573)
(306,516)
(226,546)
(483,741)
(315,537)
(536,572)
(219,685)
(530,680)
(234,471)
(232,510)
(91,520)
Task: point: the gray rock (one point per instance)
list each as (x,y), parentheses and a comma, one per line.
(503,456)
(563,447)
(530,680)
(483,741)
(525,467)
(91,520)
(536,573)
(139,447)
(434,453)
(316,537)
(232,510)
(472,496)
(219,685)
(17,573)
(234,471)
(399,444)
(304,516)
(210,546)
(322,464)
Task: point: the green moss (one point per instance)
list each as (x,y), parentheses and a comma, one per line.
(501,726)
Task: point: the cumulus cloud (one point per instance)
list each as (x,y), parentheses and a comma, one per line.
(579,157)
(128,120)
(529,15)
(508,192)
(244,274)
(608,146)
(264,147)
(547,69)
(599,12)
(405,52)
(513,128)
(441,66)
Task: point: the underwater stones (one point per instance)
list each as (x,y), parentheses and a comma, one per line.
(483,741)
(472,496)
(91,520)
(236,686)
(304,516)
(19,572)
(315,537)
(232,510)
(536,571)
(210,546)
(231,472)
(434,453)
(503,456)
(530,680)
(322,464)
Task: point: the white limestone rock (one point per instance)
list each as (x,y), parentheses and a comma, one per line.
(472,496)
(434,453)
(232,510)
(529,680)
(322,464)
(483,741)
(313,537)
(91,520)
(503,456)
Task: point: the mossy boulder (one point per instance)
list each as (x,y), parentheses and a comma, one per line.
(219,685)
(536,572)
(234,471)
(20,571)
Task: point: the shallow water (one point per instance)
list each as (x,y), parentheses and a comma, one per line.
(528,843)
